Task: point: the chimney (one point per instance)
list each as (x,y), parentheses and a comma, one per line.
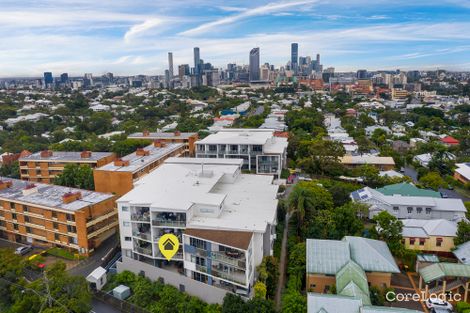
(142,152)
(146,133)
(177,133)
(157,143)
(85,154)
(121,162)
(69,197)
(5,184)
(46,154)
(29,189)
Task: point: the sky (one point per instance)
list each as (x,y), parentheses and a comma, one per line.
(130,37)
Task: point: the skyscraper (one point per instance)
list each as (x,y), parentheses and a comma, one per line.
(64,78)
(170,64)
(197,66)
(254,64)
(48,79)
(294,56)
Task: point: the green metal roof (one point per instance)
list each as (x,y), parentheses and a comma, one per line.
(439,270)
(382,309)
(350,278)
(408,190)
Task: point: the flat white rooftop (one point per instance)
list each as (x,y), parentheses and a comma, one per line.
(161,135)
(239,136)
(249,201)
(138,162)
(66,156)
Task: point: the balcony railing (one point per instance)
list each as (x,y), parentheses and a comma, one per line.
(239,262)
(140,217)
(240,278)
(147,251)
(163,222)
(146,236)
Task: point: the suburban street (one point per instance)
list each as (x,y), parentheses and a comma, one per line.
(101,307)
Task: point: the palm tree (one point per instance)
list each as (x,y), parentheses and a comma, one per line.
(300,199)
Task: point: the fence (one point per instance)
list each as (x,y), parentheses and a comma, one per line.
(121,305)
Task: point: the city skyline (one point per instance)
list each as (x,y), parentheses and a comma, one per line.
(130,38)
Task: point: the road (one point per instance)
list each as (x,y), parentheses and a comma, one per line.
(409,171)
(88,265)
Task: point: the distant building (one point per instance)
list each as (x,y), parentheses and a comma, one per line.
(45,165)
(430,236)
(254,70)
(188,139)
(48,215)
(259,148)
(462,173)
(450,141)
(294,57)
(48,79)
(381,163)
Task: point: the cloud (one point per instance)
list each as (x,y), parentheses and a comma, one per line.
(231,9)
(141,28)
(261,10)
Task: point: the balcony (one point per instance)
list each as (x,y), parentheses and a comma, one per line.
(146,251)
(238,278)
(170,223)
(222,257)
(140,214)
(142,235)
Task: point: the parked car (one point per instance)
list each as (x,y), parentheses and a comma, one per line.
(438,305)
(23,250)
(444,195)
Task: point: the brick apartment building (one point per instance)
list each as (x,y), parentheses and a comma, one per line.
(45,165)
(118,177)
(48,215)
(188,139)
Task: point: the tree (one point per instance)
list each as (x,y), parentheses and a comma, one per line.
(463,233)
(432,180)
(389,229)
(127,146)
(268,274)
(233,304)
(76,176)
(347,221)
(260,290)
(293,302)
(297,265)
(323,157)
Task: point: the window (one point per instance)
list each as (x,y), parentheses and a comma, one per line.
(127,238)
(72,240)
(438,242)
(419,210)
(55,225)
(25,208)
(14,216)
(212,147)
(71,229)
(257,148)
(125,209)
(70,217)
(126,224)
(12,205)
(410,210)
(26,219)
(56,237)
(15,226)
(28,230)
(54,214)
(395,208)
(428,210)
(422,241)
(198,243)
(412,241)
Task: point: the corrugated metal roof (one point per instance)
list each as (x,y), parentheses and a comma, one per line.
(320,303)
(352,273)
(326,256)
(439,270)
(407,189)
(463,253)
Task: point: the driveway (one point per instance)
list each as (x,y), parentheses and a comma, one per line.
(101,307)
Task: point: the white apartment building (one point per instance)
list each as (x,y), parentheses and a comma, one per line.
(225,221)
(260,150)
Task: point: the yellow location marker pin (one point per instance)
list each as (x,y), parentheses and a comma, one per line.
(168,245)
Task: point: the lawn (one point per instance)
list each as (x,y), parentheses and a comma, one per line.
(65,254)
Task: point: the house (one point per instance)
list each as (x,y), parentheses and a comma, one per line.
(390,174)
(462,253)
(351,264)
(225,221)
(417,207)
(261,150)
(48,215)
(462,172)
(433,236)
(450,141)
(408,190)
(381,163)
(400,146)
(45,165)
(443,278)
(424,159)
(330,303)
(371,129)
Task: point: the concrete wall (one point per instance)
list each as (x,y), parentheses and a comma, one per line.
(203,291)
